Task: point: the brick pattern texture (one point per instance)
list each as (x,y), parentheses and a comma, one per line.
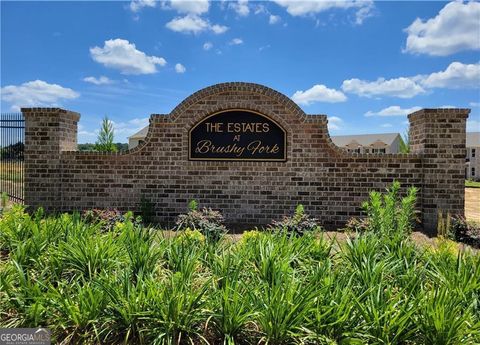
(328,181)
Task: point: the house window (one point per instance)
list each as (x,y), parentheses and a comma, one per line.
(378,150)
(366,150)
(356,150)
(473,171)
(473,153)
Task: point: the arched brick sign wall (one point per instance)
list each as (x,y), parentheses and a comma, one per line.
(328,181)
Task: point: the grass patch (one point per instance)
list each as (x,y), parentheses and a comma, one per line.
(11,171)
(472,184)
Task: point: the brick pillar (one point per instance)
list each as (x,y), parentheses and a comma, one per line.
(48,132)
(439,135)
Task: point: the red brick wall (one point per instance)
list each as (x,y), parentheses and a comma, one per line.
(329,182)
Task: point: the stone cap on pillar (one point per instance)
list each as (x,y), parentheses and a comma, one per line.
(434,112)
(51,111)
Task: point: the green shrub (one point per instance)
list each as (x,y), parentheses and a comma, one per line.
(296,225)
(357,224)
(457,228)
(388,214)
(465,231)
(206,220)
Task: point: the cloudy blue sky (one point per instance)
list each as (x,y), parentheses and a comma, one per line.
(365,64)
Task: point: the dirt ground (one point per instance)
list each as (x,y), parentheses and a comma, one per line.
(472,204)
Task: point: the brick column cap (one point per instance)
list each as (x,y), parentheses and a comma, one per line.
(434,112)
(54,111)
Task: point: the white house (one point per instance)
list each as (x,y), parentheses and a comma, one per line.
(135,139)
(472,165)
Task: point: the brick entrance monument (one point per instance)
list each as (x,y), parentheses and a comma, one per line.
(248,151)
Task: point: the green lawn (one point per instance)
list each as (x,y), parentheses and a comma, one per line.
(11,171)
(472,184)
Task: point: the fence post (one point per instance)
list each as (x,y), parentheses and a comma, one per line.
(439,135)
(48,132)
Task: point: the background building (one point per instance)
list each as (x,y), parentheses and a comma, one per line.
(472,165)
(369,143)
(137,138)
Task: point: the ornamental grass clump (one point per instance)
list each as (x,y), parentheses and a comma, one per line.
(131,285)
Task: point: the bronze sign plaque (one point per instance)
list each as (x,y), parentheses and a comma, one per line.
(237,135)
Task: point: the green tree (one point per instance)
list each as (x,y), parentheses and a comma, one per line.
(405,142)
(105,137)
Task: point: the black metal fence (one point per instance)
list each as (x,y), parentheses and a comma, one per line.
(12,144)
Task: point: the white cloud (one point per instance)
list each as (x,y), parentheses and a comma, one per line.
(386,125)
(393,110)
(457,75)
(318,93)
(82,131)
(122,55)
(194,24)
(188,24)
(137,5)
(240,7)
(190,7)
(273,19)
(397,87)
(139,122)
(236,42)
(262,48)
(207,45)
(122,129)
(300,8)
(260,9)
(179,68)
(98,81)
(364,13)
(456,28)
(219,29)
(334,123)
(127,128)
(312,7)
(36,93)
(474,104)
